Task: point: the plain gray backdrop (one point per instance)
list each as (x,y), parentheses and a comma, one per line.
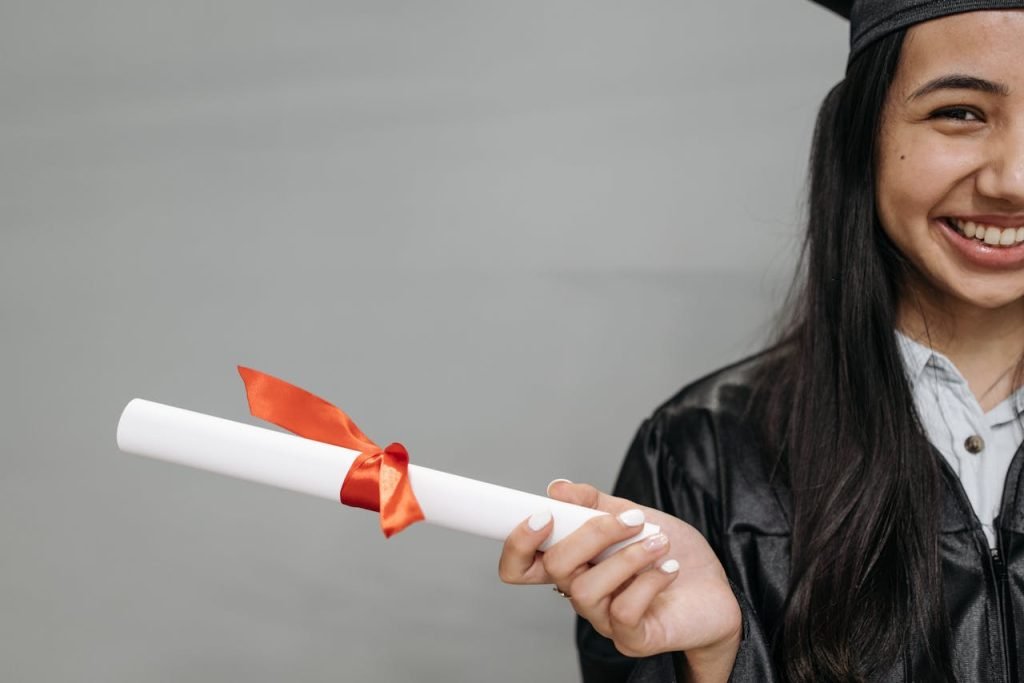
(501,233)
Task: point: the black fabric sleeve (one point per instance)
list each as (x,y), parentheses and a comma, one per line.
(672,465)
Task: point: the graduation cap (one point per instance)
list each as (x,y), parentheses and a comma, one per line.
(872,19)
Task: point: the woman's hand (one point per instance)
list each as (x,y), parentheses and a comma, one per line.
(667,593)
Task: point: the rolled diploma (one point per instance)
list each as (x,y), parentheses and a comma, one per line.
(270,457)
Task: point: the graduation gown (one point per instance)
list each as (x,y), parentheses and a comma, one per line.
(698,458)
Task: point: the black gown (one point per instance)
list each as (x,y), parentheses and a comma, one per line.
(698,458)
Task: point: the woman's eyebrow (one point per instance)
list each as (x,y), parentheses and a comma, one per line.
(960,82)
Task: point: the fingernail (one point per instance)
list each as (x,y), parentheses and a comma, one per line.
(538,520)
(656,541)
(553,482)
(632,517)
(669,566)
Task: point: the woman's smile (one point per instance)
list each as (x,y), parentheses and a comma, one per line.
(985,245)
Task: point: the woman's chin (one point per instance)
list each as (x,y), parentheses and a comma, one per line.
(991,297)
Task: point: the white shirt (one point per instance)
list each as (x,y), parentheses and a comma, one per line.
(951,414)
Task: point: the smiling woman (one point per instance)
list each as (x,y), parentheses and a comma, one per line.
(844,506)
(951,191)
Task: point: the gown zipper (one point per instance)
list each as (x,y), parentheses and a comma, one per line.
(1004,607)
(1005,610)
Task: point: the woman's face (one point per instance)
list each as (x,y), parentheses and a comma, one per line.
(950,188)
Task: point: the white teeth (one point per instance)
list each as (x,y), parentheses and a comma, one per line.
(989,234)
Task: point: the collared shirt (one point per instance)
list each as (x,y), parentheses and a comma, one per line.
(977,445)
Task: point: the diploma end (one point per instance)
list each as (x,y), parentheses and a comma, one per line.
(124,423)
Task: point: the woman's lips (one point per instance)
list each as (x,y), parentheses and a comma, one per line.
(978,253)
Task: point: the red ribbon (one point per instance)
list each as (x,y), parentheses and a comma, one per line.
(378,480)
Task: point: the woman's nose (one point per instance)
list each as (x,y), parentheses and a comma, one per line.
(1003,175)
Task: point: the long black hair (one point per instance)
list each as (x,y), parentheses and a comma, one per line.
(865,578)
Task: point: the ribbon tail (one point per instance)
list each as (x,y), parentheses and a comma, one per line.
(301,412)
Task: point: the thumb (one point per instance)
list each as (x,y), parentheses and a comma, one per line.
(586,496)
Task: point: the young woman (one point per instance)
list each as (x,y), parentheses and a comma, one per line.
(848,505)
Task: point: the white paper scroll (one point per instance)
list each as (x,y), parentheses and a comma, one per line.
(292,462)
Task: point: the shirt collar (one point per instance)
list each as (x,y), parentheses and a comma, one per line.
(919,360)
(915,357)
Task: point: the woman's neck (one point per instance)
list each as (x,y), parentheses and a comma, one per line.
(985,344)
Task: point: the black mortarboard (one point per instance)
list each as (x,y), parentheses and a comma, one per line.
(872,19)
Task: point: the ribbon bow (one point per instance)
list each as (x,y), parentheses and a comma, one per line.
(378,479)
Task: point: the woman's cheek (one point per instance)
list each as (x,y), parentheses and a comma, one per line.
(945,168)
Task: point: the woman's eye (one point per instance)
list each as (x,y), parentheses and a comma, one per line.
(957,114)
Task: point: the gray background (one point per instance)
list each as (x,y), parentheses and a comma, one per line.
(499,232)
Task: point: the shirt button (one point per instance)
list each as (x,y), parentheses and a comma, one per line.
(974,444)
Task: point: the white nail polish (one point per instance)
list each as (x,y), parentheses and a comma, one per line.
(669,566)
(656,541)
(632,517)
(538,520)
(553,482)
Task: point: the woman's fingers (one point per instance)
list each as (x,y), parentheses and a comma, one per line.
(636,596)
(628,608)
(563,559)
(605,579)
(520,560)
(593,591)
